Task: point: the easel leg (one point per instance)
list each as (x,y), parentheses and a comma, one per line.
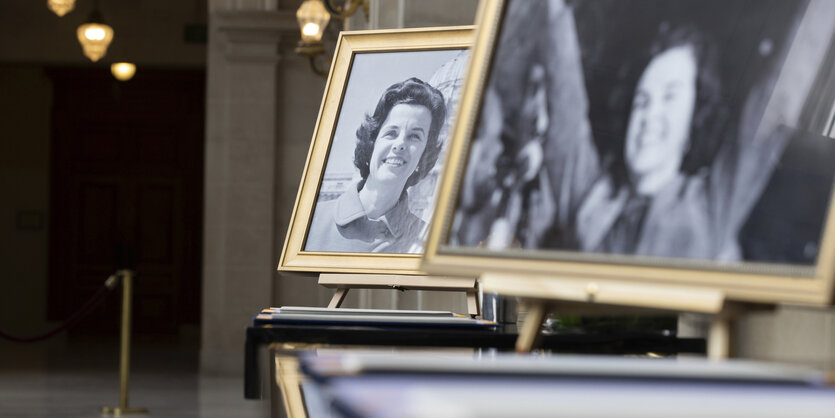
(529,334)
(719,338)
(338,297)
(472,303)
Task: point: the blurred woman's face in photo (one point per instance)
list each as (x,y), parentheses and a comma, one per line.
(659,125)
(400,143)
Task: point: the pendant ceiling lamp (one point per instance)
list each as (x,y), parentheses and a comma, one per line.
(95,36)
(313,17)
(60,7)
(123,71)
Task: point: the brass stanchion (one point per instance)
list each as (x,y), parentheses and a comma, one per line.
(124,355)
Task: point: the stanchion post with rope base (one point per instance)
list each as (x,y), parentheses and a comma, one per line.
(124,355)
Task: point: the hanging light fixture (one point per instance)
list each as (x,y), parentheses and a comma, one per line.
(60,7)
(313,16)
(123,71)
(95,36)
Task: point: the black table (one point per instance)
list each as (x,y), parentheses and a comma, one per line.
(500,338)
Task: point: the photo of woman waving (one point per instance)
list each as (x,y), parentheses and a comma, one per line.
(658,144)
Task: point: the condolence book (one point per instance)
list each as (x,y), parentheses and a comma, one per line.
(347,316)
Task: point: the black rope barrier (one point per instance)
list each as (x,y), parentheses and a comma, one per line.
(73,319)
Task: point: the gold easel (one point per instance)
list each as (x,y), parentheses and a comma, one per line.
(344,282)
(544,294)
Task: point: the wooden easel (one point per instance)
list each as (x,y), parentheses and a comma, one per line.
(548,294)
(344,282)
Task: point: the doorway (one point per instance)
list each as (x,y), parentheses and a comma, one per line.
(126,192)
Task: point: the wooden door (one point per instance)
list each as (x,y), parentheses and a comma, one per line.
(126,192)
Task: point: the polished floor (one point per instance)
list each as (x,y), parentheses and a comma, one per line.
(75,377)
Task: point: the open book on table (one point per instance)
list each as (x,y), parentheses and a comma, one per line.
(304,314)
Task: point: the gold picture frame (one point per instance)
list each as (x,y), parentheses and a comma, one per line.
(554,55)
(366,66)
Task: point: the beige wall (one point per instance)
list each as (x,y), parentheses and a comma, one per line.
(793,334)
(240,172)
(386,14)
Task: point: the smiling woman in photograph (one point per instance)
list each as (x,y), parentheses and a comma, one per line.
(654,197)
(397,145)
(660,187)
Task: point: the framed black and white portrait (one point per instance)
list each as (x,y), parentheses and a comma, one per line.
(687,142)
(369,187)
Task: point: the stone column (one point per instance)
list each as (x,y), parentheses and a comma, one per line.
(239,246)
(387,14)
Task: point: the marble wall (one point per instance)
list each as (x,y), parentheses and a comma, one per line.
(240,175)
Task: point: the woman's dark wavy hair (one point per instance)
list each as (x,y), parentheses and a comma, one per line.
(412,91)
(709,114)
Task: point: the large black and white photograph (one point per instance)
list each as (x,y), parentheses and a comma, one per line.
(368,190)
(677,131)
(380,180)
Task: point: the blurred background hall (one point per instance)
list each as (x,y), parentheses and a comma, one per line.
(186,173)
